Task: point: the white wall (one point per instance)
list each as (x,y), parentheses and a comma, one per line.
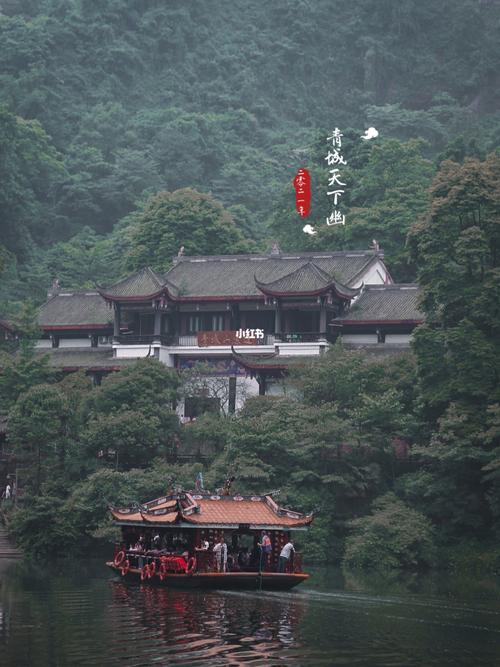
(300,349)
(74,342)
(245,388)
(42,343)
(375,275)
(360,339)
(398,339)
(166,358)
(132,351)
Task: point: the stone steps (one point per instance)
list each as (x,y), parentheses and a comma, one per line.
(7,549)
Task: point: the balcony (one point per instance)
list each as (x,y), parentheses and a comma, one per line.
(185,340)
(219,343)
(191,340)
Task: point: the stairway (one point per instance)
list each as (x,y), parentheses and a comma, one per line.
(7,550)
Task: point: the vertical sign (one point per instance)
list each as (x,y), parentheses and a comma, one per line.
(302,185)
(335,161)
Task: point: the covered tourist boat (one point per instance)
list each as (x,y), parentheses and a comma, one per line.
(176,541)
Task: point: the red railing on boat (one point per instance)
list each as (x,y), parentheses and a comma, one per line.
(205,561)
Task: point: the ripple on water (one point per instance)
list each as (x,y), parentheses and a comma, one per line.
(73,621)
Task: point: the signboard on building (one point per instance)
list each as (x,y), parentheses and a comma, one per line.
(240,337)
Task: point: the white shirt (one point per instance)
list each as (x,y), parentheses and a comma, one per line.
(221,551)
(287,550)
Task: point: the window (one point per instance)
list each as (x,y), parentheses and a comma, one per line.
(194,324)
(218,322)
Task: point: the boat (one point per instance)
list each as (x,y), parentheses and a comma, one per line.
(170,541)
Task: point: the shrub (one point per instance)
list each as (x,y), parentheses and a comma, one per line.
(393,536)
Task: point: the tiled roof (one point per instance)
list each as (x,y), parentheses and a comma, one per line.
(379,303)
(218,277)
(84,357)
(229,511)
(235,275)
(145,282)
(75,309)
(308,278)
(271,361)
(254,511)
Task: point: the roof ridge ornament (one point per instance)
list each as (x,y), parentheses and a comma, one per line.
(54,289)
(275,250)
(179,256)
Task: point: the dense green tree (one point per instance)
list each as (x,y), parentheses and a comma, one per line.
(182,218)
(31,173)
(457,248)
(39,428)
(42,527)
(26,368)
(394,535)
(386,190)
(140,97)
(147,385)
(127,438)
(130,418)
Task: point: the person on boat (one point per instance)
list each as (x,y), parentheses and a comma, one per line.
(138,546)
(156,541)
(266,548)
(243,559)
(220,551)
(285,554)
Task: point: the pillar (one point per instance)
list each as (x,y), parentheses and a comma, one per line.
(232,395)
(277,318)
(117,322)
(157,324)
(322,320)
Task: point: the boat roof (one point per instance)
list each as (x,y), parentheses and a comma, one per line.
(204,510)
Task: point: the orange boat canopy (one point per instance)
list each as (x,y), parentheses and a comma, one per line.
(192,510)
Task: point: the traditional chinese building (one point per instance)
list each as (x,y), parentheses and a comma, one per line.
(246,318)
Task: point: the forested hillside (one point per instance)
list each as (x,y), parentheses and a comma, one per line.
(105,104)
(129,128)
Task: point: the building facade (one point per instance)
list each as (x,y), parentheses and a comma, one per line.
(243,319)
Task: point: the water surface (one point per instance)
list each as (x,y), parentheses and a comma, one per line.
(73,614)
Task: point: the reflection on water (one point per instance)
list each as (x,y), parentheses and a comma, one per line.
(79,614)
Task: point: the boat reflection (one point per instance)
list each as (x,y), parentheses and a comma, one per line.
(207,626)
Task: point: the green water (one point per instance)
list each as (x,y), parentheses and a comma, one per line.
(80,614)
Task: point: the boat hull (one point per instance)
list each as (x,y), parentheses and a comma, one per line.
(221,580)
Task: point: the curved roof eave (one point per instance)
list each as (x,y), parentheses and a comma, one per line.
(342,291)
